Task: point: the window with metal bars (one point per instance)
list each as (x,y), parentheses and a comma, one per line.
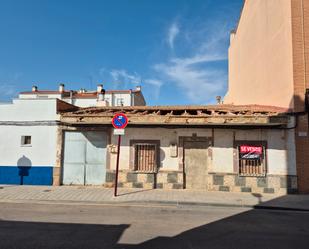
(25,140)
(145,157)
(252,159)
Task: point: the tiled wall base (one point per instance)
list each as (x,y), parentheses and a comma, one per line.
(273,184)
(161,180)
(278,184)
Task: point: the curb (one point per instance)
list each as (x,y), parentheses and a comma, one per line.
(152,204)
(123,203)
(281,208)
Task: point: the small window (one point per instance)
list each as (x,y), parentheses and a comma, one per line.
(145,157)
(119,102)
(252,159)
(25,140)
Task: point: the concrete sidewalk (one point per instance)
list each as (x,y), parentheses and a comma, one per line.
(99,195)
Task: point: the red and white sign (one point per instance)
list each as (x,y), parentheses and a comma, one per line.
(120,121)
(250,152)
(251,149)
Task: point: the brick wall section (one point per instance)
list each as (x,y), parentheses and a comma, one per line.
(302,155)
(299,20)
(306,31)
(300,34)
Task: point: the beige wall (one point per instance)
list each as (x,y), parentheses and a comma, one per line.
(280,150)
(166,137)
(280,147)
(260,55)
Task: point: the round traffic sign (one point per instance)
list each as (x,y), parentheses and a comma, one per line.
(120,121)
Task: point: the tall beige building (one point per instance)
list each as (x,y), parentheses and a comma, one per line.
(269,65)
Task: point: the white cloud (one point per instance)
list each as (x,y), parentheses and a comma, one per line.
(129,80)
(194,74)
(199,85)
(122,76)
(154,82)
(155,86)
(198,58)
(173,31)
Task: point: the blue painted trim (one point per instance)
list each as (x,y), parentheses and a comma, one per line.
(35,175)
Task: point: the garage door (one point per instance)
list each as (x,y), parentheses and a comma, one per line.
(84,158)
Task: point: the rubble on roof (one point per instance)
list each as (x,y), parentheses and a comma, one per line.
(254,115)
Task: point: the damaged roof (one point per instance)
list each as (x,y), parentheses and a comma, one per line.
(183,110)
(254,115)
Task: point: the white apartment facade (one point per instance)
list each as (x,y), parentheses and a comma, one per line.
(84,98)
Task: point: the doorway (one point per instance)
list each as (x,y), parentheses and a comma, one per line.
(84,161)
(195,164)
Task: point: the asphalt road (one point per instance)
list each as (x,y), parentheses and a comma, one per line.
(67,226)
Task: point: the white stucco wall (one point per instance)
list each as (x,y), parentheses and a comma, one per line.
(110,97)
(29,110)
(39,96)
(42,151)
(222,152)
(280,147)
(129,99)
(28,117)
(125,96)
(83,102)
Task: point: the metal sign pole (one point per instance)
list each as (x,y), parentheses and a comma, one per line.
(119,121)
(117,166)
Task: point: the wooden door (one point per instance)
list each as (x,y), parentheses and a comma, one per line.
(195,155)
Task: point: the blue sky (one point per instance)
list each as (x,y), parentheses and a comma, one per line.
(176,49)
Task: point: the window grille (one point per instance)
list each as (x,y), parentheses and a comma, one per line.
(252,163)
(145,157)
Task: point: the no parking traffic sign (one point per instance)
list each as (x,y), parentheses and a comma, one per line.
(120,121)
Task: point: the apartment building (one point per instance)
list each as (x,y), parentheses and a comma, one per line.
(269,65)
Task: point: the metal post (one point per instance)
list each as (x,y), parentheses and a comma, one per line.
(117,166)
